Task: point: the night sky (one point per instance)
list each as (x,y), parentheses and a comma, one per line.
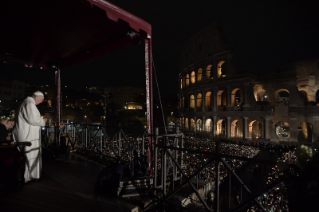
(263,35)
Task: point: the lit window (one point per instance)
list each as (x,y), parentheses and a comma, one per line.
(193,77)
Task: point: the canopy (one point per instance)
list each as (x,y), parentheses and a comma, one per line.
(61,33)
(64,32)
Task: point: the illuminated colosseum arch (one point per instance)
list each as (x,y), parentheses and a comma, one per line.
(221,128)
(187,79)
(235,97)
(199,125)
(186,123)
(282,95)
(208,99)
(199,100)
(193,80)
(221,98)
(236,129)
(192,101)
(199,75)
(208,125)
(282,130)
(254,130)
(219,69)
(305,132)
(184,80)
(181,83)
(192,127)
(208,72)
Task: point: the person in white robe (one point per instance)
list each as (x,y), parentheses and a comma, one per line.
(28,129)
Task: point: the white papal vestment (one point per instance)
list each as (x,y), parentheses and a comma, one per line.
(27,128)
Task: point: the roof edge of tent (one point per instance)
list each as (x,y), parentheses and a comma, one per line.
(119,13)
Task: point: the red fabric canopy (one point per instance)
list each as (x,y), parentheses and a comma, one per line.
(64,32)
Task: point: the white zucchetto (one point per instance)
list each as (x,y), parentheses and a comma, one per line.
(38,93)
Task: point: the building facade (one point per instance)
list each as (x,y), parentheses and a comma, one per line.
(11,92)
(217,101)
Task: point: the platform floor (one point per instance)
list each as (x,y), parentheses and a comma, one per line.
(66,185)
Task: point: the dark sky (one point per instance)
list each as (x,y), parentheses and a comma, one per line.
(263,34)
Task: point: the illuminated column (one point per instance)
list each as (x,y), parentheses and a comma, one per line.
(203,124)
(215,98)
(246,93)
(242,99)
(195,120)
(246,127)
(195,103)
(228,97)
(203,101)
(215,126)
(228,127)
(266,127)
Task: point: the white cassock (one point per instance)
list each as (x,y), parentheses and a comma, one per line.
(27,128)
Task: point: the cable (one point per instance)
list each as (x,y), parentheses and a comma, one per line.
(159,95)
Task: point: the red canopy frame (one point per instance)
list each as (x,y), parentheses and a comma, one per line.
(62,33)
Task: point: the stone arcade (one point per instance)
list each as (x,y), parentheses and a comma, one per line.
(215,100)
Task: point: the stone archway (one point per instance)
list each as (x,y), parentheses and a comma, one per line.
(235,97)
(199,125)
(208,125)
(192,101)
(236,129)
(282,95)
(282,130)
(305,132)
(220,71)
(192,127)
(221,98)
(221,128)
(255,130)
(186,123)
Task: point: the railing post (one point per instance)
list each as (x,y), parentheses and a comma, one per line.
(86,134)
(101,138)
(229,191)
(181,155)
(164,166)
(155,156)
(217,175)
(120,140)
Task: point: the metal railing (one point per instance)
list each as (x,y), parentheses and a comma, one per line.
(98,138)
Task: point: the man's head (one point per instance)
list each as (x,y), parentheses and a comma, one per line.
(38,97)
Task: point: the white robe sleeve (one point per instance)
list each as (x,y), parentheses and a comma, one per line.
(32,115)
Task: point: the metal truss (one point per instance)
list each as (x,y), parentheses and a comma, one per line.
(173,177)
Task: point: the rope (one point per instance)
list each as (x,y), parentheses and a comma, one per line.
(159,96)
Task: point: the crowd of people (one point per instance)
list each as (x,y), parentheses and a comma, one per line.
(191,161)
(275,199)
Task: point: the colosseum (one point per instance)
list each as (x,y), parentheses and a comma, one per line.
(216,100)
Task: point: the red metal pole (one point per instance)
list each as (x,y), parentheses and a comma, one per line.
(149,101)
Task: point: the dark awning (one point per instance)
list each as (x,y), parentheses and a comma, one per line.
(63,32)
